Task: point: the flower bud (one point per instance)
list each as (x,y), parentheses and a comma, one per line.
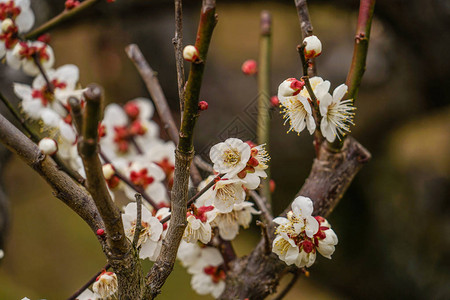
(290,87)
(2,253)
(249,67)
(132,110)
(272,185)
(274,101)
(72,4)
(202,105)
(6,24)
(48,146)
(190,53)
(100,231)
(108,171)
(105,285)
(313,46)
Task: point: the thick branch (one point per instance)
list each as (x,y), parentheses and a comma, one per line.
(64,188)
(263,125)
(120,253)
(62,17)
(178,45)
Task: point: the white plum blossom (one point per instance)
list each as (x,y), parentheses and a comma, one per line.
(228,223)
(313,46)
(149,177)
(208,276)
(296,107)
(230,157)
(337,115)
(16,17)
(226,193)
(150,237)
(105,285)
(23,53)
(300,236)
(254,170)
(198,227)
(188,253)
(48,146)
(128,130)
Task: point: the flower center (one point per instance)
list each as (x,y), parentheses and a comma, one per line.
(29,51)
(141,178)
(9,10)
(231,157)
(216,273)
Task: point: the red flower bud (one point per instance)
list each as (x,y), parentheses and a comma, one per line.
(249,67)
(202,105)
(100,232)
(274,101)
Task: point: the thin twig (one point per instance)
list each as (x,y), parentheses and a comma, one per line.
(265,235)
(57,20)
(291,283)
(50,86)
(318,137)
(128,182)
(138,228)
(88,283)
(178,47)
(154,88)
(307,30)
(266,214)
(263,124)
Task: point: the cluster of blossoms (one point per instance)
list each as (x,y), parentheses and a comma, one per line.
(300,235)
(336,114)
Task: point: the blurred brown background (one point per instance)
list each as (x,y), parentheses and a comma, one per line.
(393,224)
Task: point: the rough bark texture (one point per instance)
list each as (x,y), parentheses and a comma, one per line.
(257,275)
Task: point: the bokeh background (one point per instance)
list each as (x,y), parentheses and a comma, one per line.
(393,223)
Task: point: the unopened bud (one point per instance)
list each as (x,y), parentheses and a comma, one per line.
(72,4)
(272,185)
(45,38)
(6,24)
(290,87)
(249,67)
(100,232)
(274,101)
(190,53)
(48,146)
(132,110)
(313,46)
(108,171)
(202,105)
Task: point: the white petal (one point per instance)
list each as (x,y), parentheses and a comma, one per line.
(25,20)
(322,89)
(339,92)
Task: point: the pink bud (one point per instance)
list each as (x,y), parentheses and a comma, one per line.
(274,101)
(100,232)
(202,105)
(132,110)
(249,67)
(272,185)
(313,46)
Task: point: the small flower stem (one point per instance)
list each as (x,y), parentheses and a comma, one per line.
(88,283)
(264,105)
(307,30)
(138,228)
(128,182)
(57,20)
(136,145)
(318,138)
(50,86)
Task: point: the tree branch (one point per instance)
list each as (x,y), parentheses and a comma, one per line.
(64,188)
(120,252)
(290,285)
(178,47)
(263,125)
(183,157)
(154,88)
(62,17)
